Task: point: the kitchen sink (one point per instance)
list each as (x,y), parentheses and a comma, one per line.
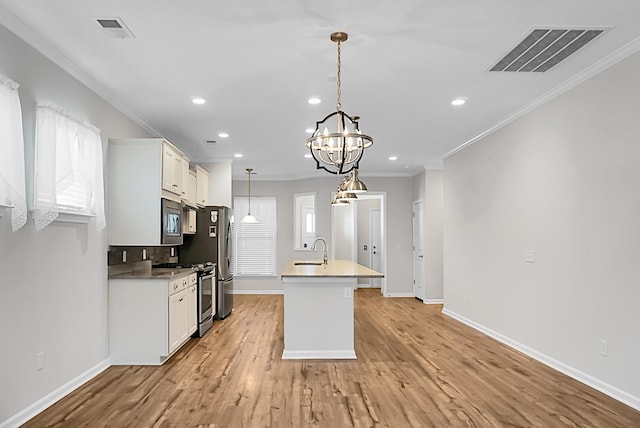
(307,263)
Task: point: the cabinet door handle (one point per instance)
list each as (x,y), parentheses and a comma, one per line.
(181,300)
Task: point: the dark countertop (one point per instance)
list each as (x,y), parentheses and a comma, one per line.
(155,273)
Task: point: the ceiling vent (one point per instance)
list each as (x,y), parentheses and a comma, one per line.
(543,48)
(114,27)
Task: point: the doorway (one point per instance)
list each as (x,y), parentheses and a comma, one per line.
(419,289)
(356,229)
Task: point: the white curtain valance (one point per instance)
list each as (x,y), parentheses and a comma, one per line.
(68,167)
(12,175)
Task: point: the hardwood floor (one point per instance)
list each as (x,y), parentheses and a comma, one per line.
(415,368)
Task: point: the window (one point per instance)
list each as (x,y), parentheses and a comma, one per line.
(304,223)
(68,167)
(12,178)
(254,249)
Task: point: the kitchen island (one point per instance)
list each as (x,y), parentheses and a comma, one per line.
(318,308)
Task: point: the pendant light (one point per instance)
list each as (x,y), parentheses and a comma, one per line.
(337,144)
(249,218)
(353,184)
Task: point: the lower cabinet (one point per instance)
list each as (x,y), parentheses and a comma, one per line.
(149,319)
(192,308)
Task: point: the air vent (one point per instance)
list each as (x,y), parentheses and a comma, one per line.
(114,27)
(544,48)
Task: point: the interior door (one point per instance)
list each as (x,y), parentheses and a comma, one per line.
(418,250)
(376,246)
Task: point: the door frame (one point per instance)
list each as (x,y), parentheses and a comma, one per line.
(413,250)
(382,196)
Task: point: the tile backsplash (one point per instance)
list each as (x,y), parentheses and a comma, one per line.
(129,255)
(134,259)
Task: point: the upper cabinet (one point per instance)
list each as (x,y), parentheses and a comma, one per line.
(172,166)
(202,186)
(143,171)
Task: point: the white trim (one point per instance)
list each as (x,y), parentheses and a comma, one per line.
(586,74)
(433,301)
(605,388)
(318,355)
(399,295)
(258,291)
(56,395)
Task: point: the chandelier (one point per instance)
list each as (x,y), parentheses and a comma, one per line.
(337,144)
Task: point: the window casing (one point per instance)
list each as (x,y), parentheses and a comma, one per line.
(254,248)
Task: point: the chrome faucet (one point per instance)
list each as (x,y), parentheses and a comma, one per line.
(324,246)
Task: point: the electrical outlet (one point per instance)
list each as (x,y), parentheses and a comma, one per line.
(40,361)
(604,348)
(144,254)
(530,256)
(347,292)
(124,256)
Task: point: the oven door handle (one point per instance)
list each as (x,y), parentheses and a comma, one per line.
(208,276)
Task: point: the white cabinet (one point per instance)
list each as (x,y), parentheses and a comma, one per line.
(140,171)
(150,319)
(202,186)
(191,188)
(192,307)
(177,319)
(188,221)
(172,161)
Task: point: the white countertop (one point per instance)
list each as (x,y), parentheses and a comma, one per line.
(333,269)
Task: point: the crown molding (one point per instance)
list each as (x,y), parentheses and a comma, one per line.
(610,60)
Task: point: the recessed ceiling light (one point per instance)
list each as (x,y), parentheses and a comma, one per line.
(238,155)
(392,158)
(458,101)
(198,100)
(308,155)
(314,100)
(309,130)
(223,135)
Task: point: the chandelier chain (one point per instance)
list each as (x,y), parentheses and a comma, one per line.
(339,78)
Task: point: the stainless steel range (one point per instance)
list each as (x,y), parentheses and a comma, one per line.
(206,292)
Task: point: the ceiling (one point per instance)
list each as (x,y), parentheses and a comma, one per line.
(257,62)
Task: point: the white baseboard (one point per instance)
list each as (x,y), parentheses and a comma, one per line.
(56,395)
(433,301)
(605,388)
(258,291)
(400,295)
(318,355)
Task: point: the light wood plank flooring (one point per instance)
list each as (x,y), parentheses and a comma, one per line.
(415,368)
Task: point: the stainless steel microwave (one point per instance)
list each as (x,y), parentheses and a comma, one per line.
(171,222)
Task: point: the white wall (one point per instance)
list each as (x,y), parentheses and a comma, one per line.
(564,182)
(53,283)
(398,200)
(428,188)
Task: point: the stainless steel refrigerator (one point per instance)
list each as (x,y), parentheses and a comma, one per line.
(212,242)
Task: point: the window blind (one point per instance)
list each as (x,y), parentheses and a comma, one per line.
(254,249)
